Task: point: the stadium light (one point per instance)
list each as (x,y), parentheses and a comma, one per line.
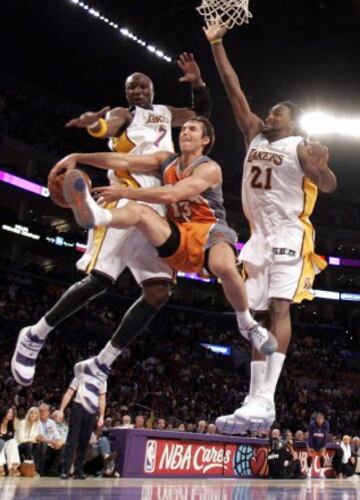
(321,123)
(122,30)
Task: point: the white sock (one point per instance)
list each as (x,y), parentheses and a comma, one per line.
(102,216)
(41,329)
(257,376)
(274,366)
(244,321)
(108,355)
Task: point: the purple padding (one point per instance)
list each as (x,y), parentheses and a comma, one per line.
(233,456)
(21,183)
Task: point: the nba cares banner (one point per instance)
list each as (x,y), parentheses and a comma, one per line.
(174,457)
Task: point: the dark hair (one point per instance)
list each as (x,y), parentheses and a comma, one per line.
(295,112)
(4,411)
(208,131)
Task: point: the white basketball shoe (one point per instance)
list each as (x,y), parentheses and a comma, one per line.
(23,362)
(258,415)
(227,424)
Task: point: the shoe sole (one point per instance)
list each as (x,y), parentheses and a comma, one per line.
(74,191)
(18,378)
(231,427)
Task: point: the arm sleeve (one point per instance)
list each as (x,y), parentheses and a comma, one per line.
(201,101)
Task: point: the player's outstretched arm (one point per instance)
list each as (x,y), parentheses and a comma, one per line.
(207,175)
(314,158)
(249,123)
(102,124)
(200,94)
(112,161)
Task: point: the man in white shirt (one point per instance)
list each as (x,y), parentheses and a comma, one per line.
(51,443)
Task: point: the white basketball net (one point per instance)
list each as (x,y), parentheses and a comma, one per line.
(228,12)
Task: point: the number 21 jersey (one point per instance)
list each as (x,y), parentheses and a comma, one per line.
(278,200)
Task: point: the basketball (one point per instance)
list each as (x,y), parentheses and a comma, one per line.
(55,187)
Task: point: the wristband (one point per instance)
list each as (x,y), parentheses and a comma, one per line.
(103,129)
(216,41)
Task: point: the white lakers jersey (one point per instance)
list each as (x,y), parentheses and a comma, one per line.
(149,131)
(277,200)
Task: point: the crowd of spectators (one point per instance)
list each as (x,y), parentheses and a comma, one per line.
(166,374)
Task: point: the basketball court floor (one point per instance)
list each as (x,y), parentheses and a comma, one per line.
(179,489)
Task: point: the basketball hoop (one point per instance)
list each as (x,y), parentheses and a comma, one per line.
(228,12)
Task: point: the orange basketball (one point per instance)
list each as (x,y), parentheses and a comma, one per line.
(55,187)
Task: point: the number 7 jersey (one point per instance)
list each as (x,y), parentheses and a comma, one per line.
(277,200)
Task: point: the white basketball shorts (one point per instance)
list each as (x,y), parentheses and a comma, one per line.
(291,280)
(109,251)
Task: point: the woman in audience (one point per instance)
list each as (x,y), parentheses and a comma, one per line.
(28,436)
(9,453)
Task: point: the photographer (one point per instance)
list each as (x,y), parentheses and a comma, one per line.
(281,461)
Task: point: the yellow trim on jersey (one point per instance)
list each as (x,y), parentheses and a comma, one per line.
(99,237)
(126,178)
(99,134)
(122,144)
(312,263)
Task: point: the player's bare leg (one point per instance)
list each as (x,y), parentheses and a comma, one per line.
(222,264)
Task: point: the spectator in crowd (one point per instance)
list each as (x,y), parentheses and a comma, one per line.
(161,424)
(344,462)
(81,425)
(9,453)
(201,427)
(99,459)
(61,425)
(181,427)
(355,451)
(211,429)
(6,425)
(126,422)
(139,422)
(28,437)
(318,435)
(299,435)
(50,444)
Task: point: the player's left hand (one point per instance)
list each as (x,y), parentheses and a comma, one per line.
(190,68)
(316,154)
(106,194)
(67,163)
(100,422)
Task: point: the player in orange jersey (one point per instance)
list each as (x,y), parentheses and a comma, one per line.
(195,237)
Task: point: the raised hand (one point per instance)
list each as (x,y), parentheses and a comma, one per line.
(317,155)
(214,30)
(190,68)
(88,118)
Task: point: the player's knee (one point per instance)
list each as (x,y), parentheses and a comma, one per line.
(157,294)
(279,308)
(224,270)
